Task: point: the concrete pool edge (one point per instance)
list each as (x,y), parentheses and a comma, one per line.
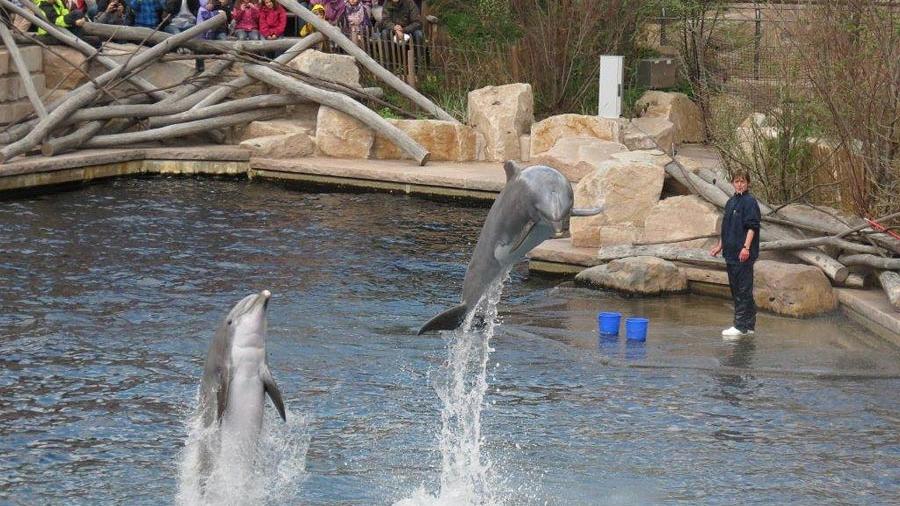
(475,180)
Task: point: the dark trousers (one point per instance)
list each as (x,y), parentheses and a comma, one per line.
(740,280)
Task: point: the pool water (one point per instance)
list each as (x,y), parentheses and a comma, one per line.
(112,292)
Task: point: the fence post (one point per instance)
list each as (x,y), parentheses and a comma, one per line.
(663,38)
(757,40)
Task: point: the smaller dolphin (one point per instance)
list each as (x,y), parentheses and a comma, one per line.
(535,205)
(236,377)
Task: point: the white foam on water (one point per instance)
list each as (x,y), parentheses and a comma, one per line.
(271,472)
(467,475)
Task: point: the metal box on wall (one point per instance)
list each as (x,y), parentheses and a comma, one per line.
(655,73)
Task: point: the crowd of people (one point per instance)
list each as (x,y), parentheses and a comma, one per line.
(398,20)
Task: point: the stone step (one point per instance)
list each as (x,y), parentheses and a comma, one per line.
(32,55)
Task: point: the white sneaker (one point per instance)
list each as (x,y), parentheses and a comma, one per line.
(733,332)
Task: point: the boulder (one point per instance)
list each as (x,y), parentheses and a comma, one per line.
(501,114)
(576,157)
(680,217)
(677,108)
(525,147)
(273,127)
(342,136)
(650,132)
(330,66)
(643,275)
(65,67)
(792,289)
(652,157)
(627,192)
(546,133)
(445,140)
(292,145)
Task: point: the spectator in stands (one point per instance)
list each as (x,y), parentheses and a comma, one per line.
(246,20)
(146,12)
(400,20)
(208,11)
(334,10)
(308,28)
(272,20)
(179,15)
(357,20)
(114,13)
(57,13)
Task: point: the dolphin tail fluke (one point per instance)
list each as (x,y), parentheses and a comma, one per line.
(450,319)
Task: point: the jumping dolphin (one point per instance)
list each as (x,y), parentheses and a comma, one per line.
(535,205)
(236,377)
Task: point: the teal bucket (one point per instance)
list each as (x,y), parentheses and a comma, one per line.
(608,323)
(636,328)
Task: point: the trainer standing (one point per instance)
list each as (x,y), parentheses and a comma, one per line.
(739,244)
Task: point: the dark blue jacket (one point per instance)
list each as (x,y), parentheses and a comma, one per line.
(741,214)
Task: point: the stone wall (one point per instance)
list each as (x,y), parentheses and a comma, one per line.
(14,102)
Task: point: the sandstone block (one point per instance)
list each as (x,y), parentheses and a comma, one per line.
(291,145)
(649,133)
(501,114)
(677,108)
(65,67)
(445,140)
(577,157)
(643,275)
(31,54)
(12,88)
(13,111)
(546,133)
(333,67)
(680,217)
(342,136)
(792,289)
(273,127)
(162,74)
(650,156)
(525,148)
(627,192)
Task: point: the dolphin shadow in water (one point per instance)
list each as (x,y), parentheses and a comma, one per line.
(236,379)
(534,206)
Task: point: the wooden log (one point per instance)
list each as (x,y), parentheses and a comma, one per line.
(150,36)
(234,106)
(22,68)
(181,129)
(223,90)
(820,241)
(892,264)
(198,83)
(67,38)
(694,256)
(890,283)
(68,142)
(714,179)
(855,280)
(335,35)
(344,104)
(86,92)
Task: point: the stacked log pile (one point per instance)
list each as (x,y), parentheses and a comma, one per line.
(104,112)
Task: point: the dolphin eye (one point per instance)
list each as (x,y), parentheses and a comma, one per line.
(228,322)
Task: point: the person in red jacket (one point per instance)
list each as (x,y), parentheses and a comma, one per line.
(272,20)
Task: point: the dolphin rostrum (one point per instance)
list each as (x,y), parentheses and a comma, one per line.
(535,205)
(236,377)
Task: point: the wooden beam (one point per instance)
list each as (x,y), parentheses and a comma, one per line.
(334,34)
(24,74)
(344,104)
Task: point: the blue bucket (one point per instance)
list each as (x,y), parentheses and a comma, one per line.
(636,328)
(609,323)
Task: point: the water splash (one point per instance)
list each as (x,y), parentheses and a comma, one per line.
(272,472)
(467,476)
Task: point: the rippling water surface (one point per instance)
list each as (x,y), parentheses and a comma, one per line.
(112,292)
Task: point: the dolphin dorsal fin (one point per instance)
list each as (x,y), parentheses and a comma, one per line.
(512,170)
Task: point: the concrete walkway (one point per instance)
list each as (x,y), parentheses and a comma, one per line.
(474,180)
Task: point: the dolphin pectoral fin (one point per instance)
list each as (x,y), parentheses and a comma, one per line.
(512,170)
(450,319)
(272,390)
(503,251)
(586,212)
(222,395)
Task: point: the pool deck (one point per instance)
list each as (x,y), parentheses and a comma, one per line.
(470,180)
